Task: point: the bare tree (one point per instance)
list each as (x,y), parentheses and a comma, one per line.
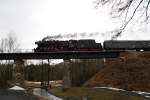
(2,46)
(9,44)
(126,9)
(12,42)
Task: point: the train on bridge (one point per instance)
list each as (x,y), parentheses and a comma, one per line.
(91,45)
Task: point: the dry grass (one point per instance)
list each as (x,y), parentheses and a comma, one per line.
(131,71)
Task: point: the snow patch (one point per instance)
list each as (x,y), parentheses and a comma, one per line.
(111,88)
(140,92)
(16,88)
(146,94)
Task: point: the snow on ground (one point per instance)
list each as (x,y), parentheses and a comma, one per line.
(110,88)
(16,88)
(33,82)
(56,83)
(146,94)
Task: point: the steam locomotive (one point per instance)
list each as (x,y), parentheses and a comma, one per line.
(91,45)
(71,45)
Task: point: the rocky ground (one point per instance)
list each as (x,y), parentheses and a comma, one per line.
(131,71)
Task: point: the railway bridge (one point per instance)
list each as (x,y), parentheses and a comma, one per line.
(60,55)
(18,66)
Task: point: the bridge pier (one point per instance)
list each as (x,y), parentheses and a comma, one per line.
(77,73)
(67,75)
(18,72)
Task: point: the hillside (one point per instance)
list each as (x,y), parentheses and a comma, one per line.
(131,71)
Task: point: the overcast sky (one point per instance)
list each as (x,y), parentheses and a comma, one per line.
(31,20)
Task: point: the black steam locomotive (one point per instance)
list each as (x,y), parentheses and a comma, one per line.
(71,45)
(90,45)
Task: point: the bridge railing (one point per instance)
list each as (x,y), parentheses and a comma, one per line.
(19,51)
(23,50)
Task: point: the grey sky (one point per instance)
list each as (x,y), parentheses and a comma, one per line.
(31,20)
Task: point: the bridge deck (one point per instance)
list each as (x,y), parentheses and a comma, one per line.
(60,55)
